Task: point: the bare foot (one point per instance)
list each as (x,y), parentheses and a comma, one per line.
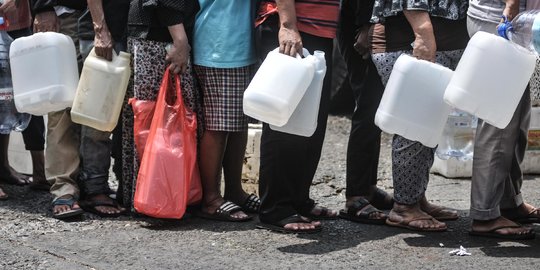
(62,208)
(438,212)
(525,213)
(303,226)
(11,176)
(412,217)
(3,195)
(499,228)
(103,205)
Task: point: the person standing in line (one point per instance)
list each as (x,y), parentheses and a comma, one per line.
(19,20)
(289,162)
(77,156)
(159,32)
(428,30)
(497,205)
(363,199)
(224,58)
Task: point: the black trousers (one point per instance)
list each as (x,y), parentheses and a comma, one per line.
(34,134)
(289,162)
(365,137)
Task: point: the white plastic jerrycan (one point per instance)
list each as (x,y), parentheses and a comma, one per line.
(303,121)
(101,91)
(490,78)
(278,86)
(412,104)
(44,72)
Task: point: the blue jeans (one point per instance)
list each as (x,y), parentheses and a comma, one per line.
(95,148)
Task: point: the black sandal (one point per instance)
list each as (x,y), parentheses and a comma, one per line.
(224,213)
(280,225)
(382,200)
(252,204)
(90,206)
(322,215)
(360,211)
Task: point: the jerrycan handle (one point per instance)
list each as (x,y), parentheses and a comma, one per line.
(305,53)
(504,27)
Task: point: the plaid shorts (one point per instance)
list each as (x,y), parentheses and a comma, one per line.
(223,92)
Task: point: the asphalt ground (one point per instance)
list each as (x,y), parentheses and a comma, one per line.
(31,239)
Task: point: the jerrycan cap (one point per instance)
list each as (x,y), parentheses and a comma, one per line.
(2,21)
(504,27)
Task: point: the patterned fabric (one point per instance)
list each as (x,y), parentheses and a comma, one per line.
(148,66)
(411,160)
(535,85)
(315,17)
(449,9)
(222,90)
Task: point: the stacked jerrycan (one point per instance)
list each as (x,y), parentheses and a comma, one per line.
(278,87)
(412,104)
(303,120)
(101,90)
(44,72)
(493,73)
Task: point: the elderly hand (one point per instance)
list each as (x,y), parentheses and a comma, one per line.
(46,21)
(103,43)
(290,42)
(178,55)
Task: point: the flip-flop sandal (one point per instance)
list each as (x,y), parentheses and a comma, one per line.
(443,214)
(322,215)
(382,200)
(90,206)
(493,233)
(69,213)
(252,204)
(360,211)
(224,213)
(406,224)
(280,225)
(4,197)
(523,219)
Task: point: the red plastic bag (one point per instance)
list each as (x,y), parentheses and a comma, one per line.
(168,177)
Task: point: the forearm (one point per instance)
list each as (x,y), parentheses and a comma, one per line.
(287,13)
(98,16)
(178,33)
(420,22)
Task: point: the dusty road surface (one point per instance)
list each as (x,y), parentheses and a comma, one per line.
(31,239)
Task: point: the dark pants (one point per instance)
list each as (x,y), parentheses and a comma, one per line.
(34,134)
(289,162)
(365,137)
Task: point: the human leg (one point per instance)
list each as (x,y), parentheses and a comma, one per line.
(364,140)
(7,173)
(496,180)
(62,160)
(34,141)
(288,162)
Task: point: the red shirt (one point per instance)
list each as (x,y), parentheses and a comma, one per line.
(315,17)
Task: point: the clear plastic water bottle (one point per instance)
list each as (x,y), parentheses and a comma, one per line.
(523,30)
(10,119)
(457,140)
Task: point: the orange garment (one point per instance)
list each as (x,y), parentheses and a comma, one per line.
(315,17)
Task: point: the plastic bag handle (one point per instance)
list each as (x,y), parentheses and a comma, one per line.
(162,94)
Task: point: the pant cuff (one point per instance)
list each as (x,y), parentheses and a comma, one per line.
(485,214)
(512,202)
